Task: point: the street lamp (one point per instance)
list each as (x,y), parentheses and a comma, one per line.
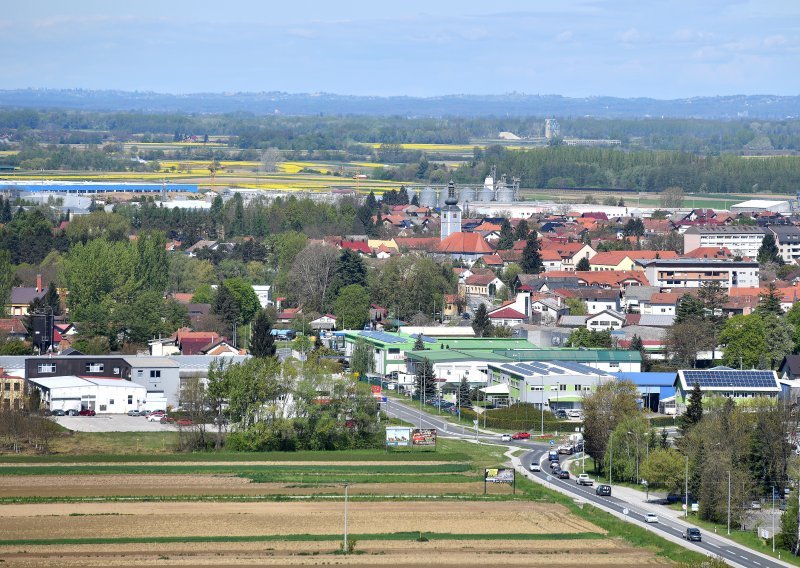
(729,502)
(686,489)
(542,405)
(610,456)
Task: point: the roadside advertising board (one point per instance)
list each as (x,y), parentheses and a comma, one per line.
(398,436)
(499,475)
(423,437)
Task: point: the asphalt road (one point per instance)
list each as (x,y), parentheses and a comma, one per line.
(537,452)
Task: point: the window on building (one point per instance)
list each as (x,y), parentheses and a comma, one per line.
(94,367)
(130,399)
(116,370)
(613,364)
(140,373)
(578,387)
(110,401)
(562,387)
(394,350)
(103,406)
(155,374)
(16,387)
(46,368)
(7,387)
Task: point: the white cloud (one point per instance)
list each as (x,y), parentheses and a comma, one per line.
(631,35)
(564,36)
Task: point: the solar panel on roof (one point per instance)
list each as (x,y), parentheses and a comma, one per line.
(382,336)
(730,379)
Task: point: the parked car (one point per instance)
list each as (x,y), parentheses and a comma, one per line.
(134,412)
(603,490)
(72,412)
(166,420)
(536,467)
(692,534)
(183,422)
(87,412)
(651,518)
(521,436)
(561,414)
(58,412)
(563,474)
(575,413)
(755,505)
(584,479)
(505,438)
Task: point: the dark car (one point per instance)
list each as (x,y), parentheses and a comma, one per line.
(555,465)
(692,534)
(87,412)
(561,414)
(58,412)
(604,490)
(563,474)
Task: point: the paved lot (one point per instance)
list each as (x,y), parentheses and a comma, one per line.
(112,423)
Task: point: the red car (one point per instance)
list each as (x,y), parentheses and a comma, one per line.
(183,422)
(87,412)
(520,436)
(166,419)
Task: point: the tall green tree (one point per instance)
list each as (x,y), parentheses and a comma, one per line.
(464,392)
(352,307)
(481,323)
(424,379)
(227,309)
(604,409)
(522,231)
(361,359)
(744,338)
(531,256)
(350,269)
(245,297)
(506,240)
(263,342)
(152,266)
(6,279)
(689,308)
(583,265)
(52,299)
(419,345)
(694,409)
(770,303)
(768,252)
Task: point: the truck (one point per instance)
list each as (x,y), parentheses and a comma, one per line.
(584,479)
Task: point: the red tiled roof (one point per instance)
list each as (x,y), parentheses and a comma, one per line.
(480,279)
(709,252)
(602,277)
(614,257)
(358,246)
(417,243)
(182,298)
(507,313)
(469,243)
(492,260)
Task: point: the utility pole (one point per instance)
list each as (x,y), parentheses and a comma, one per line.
(686,511)
(542,406)
(729,502)
(345,518)
(773,518)
(611,456)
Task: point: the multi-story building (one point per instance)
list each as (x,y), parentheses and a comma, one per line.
(787,237)
(741,240)
(693,273)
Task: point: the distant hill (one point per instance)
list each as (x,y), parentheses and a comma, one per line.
(722,107)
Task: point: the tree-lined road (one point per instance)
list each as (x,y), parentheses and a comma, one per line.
(667,526)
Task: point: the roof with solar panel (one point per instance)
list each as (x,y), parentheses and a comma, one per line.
(726,379)
(539,368)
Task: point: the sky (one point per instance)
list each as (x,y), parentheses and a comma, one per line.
(577,48)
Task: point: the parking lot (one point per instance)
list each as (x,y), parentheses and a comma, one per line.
(112,423)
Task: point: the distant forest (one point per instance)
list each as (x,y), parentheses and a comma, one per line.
(697,155)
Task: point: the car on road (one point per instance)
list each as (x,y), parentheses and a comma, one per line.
(574,413)
(505,438)
(520,436)
(563,474)
(134,412)
(536,467)
(183,422)
(584,479)
(603,490)
(692,534)
(555,465)
(155,416)
(87,412)
(566,449)
(58,412)
(650,518)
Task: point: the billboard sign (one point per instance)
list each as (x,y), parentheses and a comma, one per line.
(398,436)
(499,475)
(424,437)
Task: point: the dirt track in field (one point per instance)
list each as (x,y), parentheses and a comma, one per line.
(113,485)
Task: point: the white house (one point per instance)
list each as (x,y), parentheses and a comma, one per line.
(104,396)
(507,316)
(326,322)
(605,320)
(264,294)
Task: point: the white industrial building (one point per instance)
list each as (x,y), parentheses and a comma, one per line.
(762,206)
(741,240)
(104,396)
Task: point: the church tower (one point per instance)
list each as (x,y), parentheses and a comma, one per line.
(451,213)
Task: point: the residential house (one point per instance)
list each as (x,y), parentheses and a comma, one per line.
(552,261)
(597,299)
(548,310)
(264,294)
(13,328)
(12,391)
(287,315)
(570,253)
(613,279)
(221,347)
(662,303)
(22,296)
(634,297)
(451,306)
(325,322)
(605,320)
(483,285)
(507,316)
(377,314)
(626,259)
(723,253)
(192,342)
(492,261)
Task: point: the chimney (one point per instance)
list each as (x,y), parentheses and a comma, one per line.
(38,282)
